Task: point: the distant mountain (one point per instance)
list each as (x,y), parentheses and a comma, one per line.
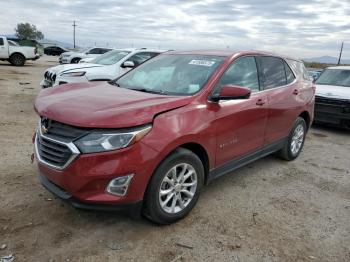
(326,60)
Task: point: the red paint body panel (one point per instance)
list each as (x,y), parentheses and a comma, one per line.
(225,130)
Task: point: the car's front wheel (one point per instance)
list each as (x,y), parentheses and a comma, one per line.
(295,141)
(75,60)
(174,187)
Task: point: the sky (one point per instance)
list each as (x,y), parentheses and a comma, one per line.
(301,28)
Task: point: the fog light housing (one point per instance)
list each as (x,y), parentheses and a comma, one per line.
(119,186)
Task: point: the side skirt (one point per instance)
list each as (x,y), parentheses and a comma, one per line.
(244,160)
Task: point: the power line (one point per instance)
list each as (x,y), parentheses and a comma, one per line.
(341,51)
(74,25)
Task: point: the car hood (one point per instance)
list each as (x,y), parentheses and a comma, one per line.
(68,53)
(71,67)
(101,105)
(341,92)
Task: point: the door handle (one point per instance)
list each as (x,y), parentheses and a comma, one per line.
(295,92)
(260,102)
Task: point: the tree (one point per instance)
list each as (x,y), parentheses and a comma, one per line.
(28,31)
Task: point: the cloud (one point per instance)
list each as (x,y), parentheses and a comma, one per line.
(297,27)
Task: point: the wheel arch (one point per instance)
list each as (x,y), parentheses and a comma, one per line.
(196,148)
(17,53)
(306,116)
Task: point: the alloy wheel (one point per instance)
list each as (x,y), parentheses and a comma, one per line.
(178,188)
(297,139)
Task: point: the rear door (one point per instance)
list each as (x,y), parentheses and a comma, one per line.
(240,123)
(3,49)
(281,87)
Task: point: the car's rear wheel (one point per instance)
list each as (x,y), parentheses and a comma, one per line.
(17,60)
(174,187)
(295,141)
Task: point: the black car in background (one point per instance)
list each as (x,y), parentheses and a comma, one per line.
(54,50)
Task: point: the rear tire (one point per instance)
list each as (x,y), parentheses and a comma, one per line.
(295,141)
(17,60)
(174,187)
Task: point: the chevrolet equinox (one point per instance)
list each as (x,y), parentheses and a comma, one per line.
(149,140)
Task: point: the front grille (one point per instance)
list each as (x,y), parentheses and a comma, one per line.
(55,147)
(52,152)
(63,132)
(332,101)
(49,76)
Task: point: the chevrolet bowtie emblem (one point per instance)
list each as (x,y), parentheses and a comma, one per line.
(45,124)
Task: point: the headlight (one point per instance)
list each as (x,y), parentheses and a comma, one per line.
(72,74)
(106,141)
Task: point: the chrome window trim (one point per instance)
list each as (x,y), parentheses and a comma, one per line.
(75,151)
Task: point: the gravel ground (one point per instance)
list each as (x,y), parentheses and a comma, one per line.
(270,210)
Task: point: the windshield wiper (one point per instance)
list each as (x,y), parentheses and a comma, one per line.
(148,90)
(115,83)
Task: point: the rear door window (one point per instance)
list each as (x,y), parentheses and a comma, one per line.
(1,41)
(243,72)
(271,71)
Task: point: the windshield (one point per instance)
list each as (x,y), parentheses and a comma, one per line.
(334,77)
(11,43)
(110,57)
(84,50)
(172,74)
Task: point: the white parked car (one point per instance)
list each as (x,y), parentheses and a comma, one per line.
(15,54)
(333,96)
(75,57)
(103,68)
(87,60)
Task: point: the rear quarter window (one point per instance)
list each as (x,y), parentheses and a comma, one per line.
(1,41)
(298,67)
(289,73)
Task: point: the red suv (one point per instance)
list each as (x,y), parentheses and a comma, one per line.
(152,138)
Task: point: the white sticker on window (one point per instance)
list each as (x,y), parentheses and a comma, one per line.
(201,62)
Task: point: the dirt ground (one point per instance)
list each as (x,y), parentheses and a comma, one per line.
(270,210)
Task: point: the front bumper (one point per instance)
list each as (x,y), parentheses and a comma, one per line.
(45,83)
(332,111)
(84,181)
(132,208)
(64,60)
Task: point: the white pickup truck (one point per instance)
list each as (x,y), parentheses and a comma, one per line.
(16,55)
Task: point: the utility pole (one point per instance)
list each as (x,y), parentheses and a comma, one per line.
(341,51)
(74,25)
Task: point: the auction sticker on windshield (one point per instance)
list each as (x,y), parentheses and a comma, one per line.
(201,62)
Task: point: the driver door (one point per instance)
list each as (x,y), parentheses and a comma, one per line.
(240,123)
(3,49)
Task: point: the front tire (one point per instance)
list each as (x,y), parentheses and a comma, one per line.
(295,141)
(174,187)
(75,60)
(17,60)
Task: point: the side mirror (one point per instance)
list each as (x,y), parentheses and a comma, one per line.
(230,92)
(128,64)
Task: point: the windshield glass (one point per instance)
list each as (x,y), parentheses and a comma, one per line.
(172,74)
(110,57)
(335,77)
